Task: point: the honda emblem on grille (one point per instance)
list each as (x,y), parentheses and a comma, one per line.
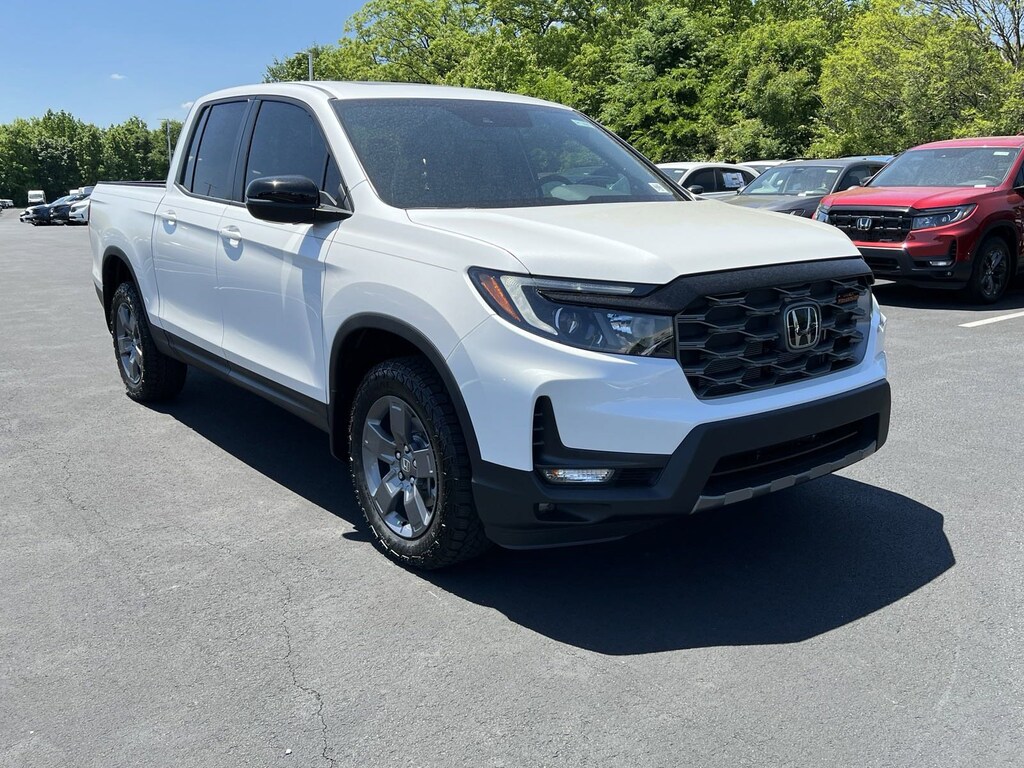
(864,223)
(803,327)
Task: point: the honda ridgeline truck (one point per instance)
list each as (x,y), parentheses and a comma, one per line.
(944,215)
(513,326)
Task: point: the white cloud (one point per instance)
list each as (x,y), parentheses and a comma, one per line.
(186,105)
(116,76)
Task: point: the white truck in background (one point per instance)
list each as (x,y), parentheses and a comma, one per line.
(513,327)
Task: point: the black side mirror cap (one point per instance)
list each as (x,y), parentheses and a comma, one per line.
(697,189)
(289,200)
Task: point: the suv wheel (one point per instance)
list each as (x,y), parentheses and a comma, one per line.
(148,374)
(410,467)
(991,273)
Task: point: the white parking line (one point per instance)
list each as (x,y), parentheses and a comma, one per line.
(987,320)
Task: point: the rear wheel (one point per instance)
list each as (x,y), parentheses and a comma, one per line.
(147,373)
(410,467)
(991,273)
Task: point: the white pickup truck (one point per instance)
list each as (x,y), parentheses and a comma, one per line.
(512,325)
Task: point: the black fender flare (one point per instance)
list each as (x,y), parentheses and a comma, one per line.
(113,252)
(371,321)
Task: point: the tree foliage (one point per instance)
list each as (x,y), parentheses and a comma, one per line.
(57,152)
(725,79)
(680,79)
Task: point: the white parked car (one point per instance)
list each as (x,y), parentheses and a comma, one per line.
(763,165)
(79,212)
(512,329)
(710,179)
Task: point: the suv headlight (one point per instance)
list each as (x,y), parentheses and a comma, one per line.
(940,217)
(569,311)
(821,214)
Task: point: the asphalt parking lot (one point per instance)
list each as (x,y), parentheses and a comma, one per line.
(192,585)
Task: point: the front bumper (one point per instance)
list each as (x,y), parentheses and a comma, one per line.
(918,260)
(718,463)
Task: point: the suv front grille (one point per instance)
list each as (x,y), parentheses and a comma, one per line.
(733,342)
(886,226)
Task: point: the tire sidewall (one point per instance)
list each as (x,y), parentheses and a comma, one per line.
(126,294)
(380,382)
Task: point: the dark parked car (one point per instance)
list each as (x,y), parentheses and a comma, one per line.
(52,213)
(798,186)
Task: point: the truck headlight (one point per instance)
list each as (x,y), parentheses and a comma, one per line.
(821,214)
(569,311)
(940,217)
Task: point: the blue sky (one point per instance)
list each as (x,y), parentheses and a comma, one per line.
(104,60)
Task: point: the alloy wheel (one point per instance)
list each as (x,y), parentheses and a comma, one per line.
(399,467)
(994,272)
(129,343)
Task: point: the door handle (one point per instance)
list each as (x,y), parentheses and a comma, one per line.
(231,234)
(170,217)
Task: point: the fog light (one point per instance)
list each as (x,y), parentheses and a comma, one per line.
(572,475)
(940,262)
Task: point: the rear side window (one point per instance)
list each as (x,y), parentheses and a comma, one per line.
(287,141)
(705,177)
(217,149)
(193,150)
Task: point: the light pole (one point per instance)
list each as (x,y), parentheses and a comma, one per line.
(309,62)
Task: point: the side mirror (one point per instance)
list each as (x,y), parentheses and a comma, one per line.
(697,189)
(289,200)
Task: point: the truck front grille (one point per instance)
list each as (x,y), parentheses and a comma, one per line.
(732,343)
(872,226)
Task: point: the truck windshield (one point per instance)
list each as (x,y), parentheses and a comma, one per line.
(954,167)
(457,153)
(796,181)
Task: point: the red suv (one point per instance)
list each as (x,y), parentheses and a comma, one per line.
(948,215)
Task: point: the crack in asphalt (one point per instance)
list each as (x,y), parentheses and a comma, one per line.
(308,690)
(286,632)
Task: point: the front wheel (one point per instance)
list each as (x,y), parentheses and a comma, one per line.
(991,273)
(147,373)
(410,467)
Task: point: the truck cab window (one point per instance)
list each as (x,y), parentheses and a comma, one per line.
(217,149)
(188,172)
(287,142)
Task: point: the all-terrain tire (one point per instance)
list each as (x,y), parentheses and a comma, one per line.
(454,532)
(148,374)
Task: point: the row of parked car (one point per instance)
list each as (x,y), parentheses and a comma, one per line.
(947,214)
(70,209)
(795,186)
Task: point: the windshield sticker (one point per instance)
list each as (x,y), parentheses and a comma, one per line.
(1000,154)
(831,170)
(658,187)
(584,123)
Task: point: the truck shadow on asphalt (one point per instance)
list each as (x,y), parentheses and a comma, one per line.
(777,570)
(896,295)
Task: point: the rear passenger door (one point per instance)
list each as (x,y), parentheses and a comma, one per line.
(185,233)
(270,274)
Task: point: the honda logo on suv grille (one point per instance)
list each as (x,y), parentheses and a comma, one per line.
(864,223)
(803,327)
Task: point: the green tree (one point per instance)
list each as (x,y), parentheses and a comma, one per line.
(904,76)
(126,150)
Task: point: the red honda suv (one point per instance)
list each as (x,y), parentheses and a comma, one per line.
(949,214)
